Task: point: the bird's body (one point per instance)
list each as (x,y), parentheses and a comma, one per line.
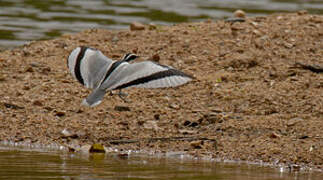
(95,71)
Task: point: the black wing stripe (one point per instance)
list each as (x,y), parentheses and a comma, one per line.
(111,69)
(155,76)
(77,68)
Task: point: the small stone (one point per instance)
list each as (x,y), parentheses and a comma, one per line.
(288,45)
(45,70)
(152,26)
(136,26)
(185,131)
(2,77)
(213,118)
(193,124)
(157,116)
(59,113)
(29,69)
(115,39)
(239,14)
(34,64)
(97,148)
(254,24)
(12,106)
(37,103)
(186,123)
(26,87)
(302,12)
(48,108)
(294,121)
(81,133)
(216,110)
(174,106)
(155,58)
(257,32)
(122,108)
(196,144)
(274,135)
(123,155)
(67,133)
(85,148)
(303,137)
(151,125)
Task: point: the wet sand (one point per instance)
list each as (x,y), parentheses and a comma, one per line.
(250,99)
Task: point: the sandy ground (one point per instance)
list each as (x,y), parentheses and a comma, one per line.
(248,101)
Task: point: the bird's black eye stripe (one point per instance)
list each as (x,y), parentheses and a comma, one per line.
(77,69)
(128,57)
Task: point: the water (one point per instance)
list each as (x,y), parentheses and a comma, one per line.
(27,164)
(26,20)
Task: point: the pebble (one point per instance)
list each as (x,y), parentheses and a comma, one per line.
(122,108)
(239,14)
(151,125)
(294,121)
(2,77)
(196,144)
(274,135)
(152,26)
(155,57)
(174,106)
(85,148)
(29,69)
(97,148)
(136,26)
(185,131)
(60,113)
(257,33)
(12,106)
(157,116)
(37,103)
(115,39)
(67,133)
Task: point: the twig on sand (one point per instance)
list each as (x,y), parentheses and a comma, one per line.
(313,68)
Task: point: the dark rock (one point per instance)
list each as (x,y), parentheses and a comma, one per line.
(12,106)
(59,113)
(97,148)
(186,123)
(121,108)
(157,116)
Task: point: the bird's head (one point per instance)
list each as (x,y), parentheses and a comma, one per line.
(129,57)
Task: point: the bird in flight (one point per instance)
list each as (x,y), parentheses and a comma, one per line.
(96,71)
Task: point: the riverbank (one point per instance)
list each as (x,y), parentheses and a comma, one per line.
(251,100)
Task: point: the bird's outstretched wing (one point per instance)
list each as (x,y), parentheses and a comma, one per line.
(146,74)
(88,66)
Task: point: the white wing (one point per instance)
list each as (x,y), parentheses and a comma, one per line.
(145,74)
(88,66)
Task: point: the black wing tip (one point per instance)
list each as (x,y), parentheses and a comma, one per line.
(178,72)
(181,73)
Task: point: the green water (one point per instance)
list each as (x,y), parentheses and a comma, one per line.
(19,163)
(25,20)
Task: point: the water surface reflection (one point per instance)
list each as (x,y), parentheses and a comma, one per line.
(27,164)
(24,20)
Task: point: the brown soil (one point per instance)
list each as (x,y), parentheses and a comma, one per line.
(249,101)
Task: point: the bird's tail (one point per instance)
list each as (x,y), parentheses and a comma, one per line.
(94,98)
